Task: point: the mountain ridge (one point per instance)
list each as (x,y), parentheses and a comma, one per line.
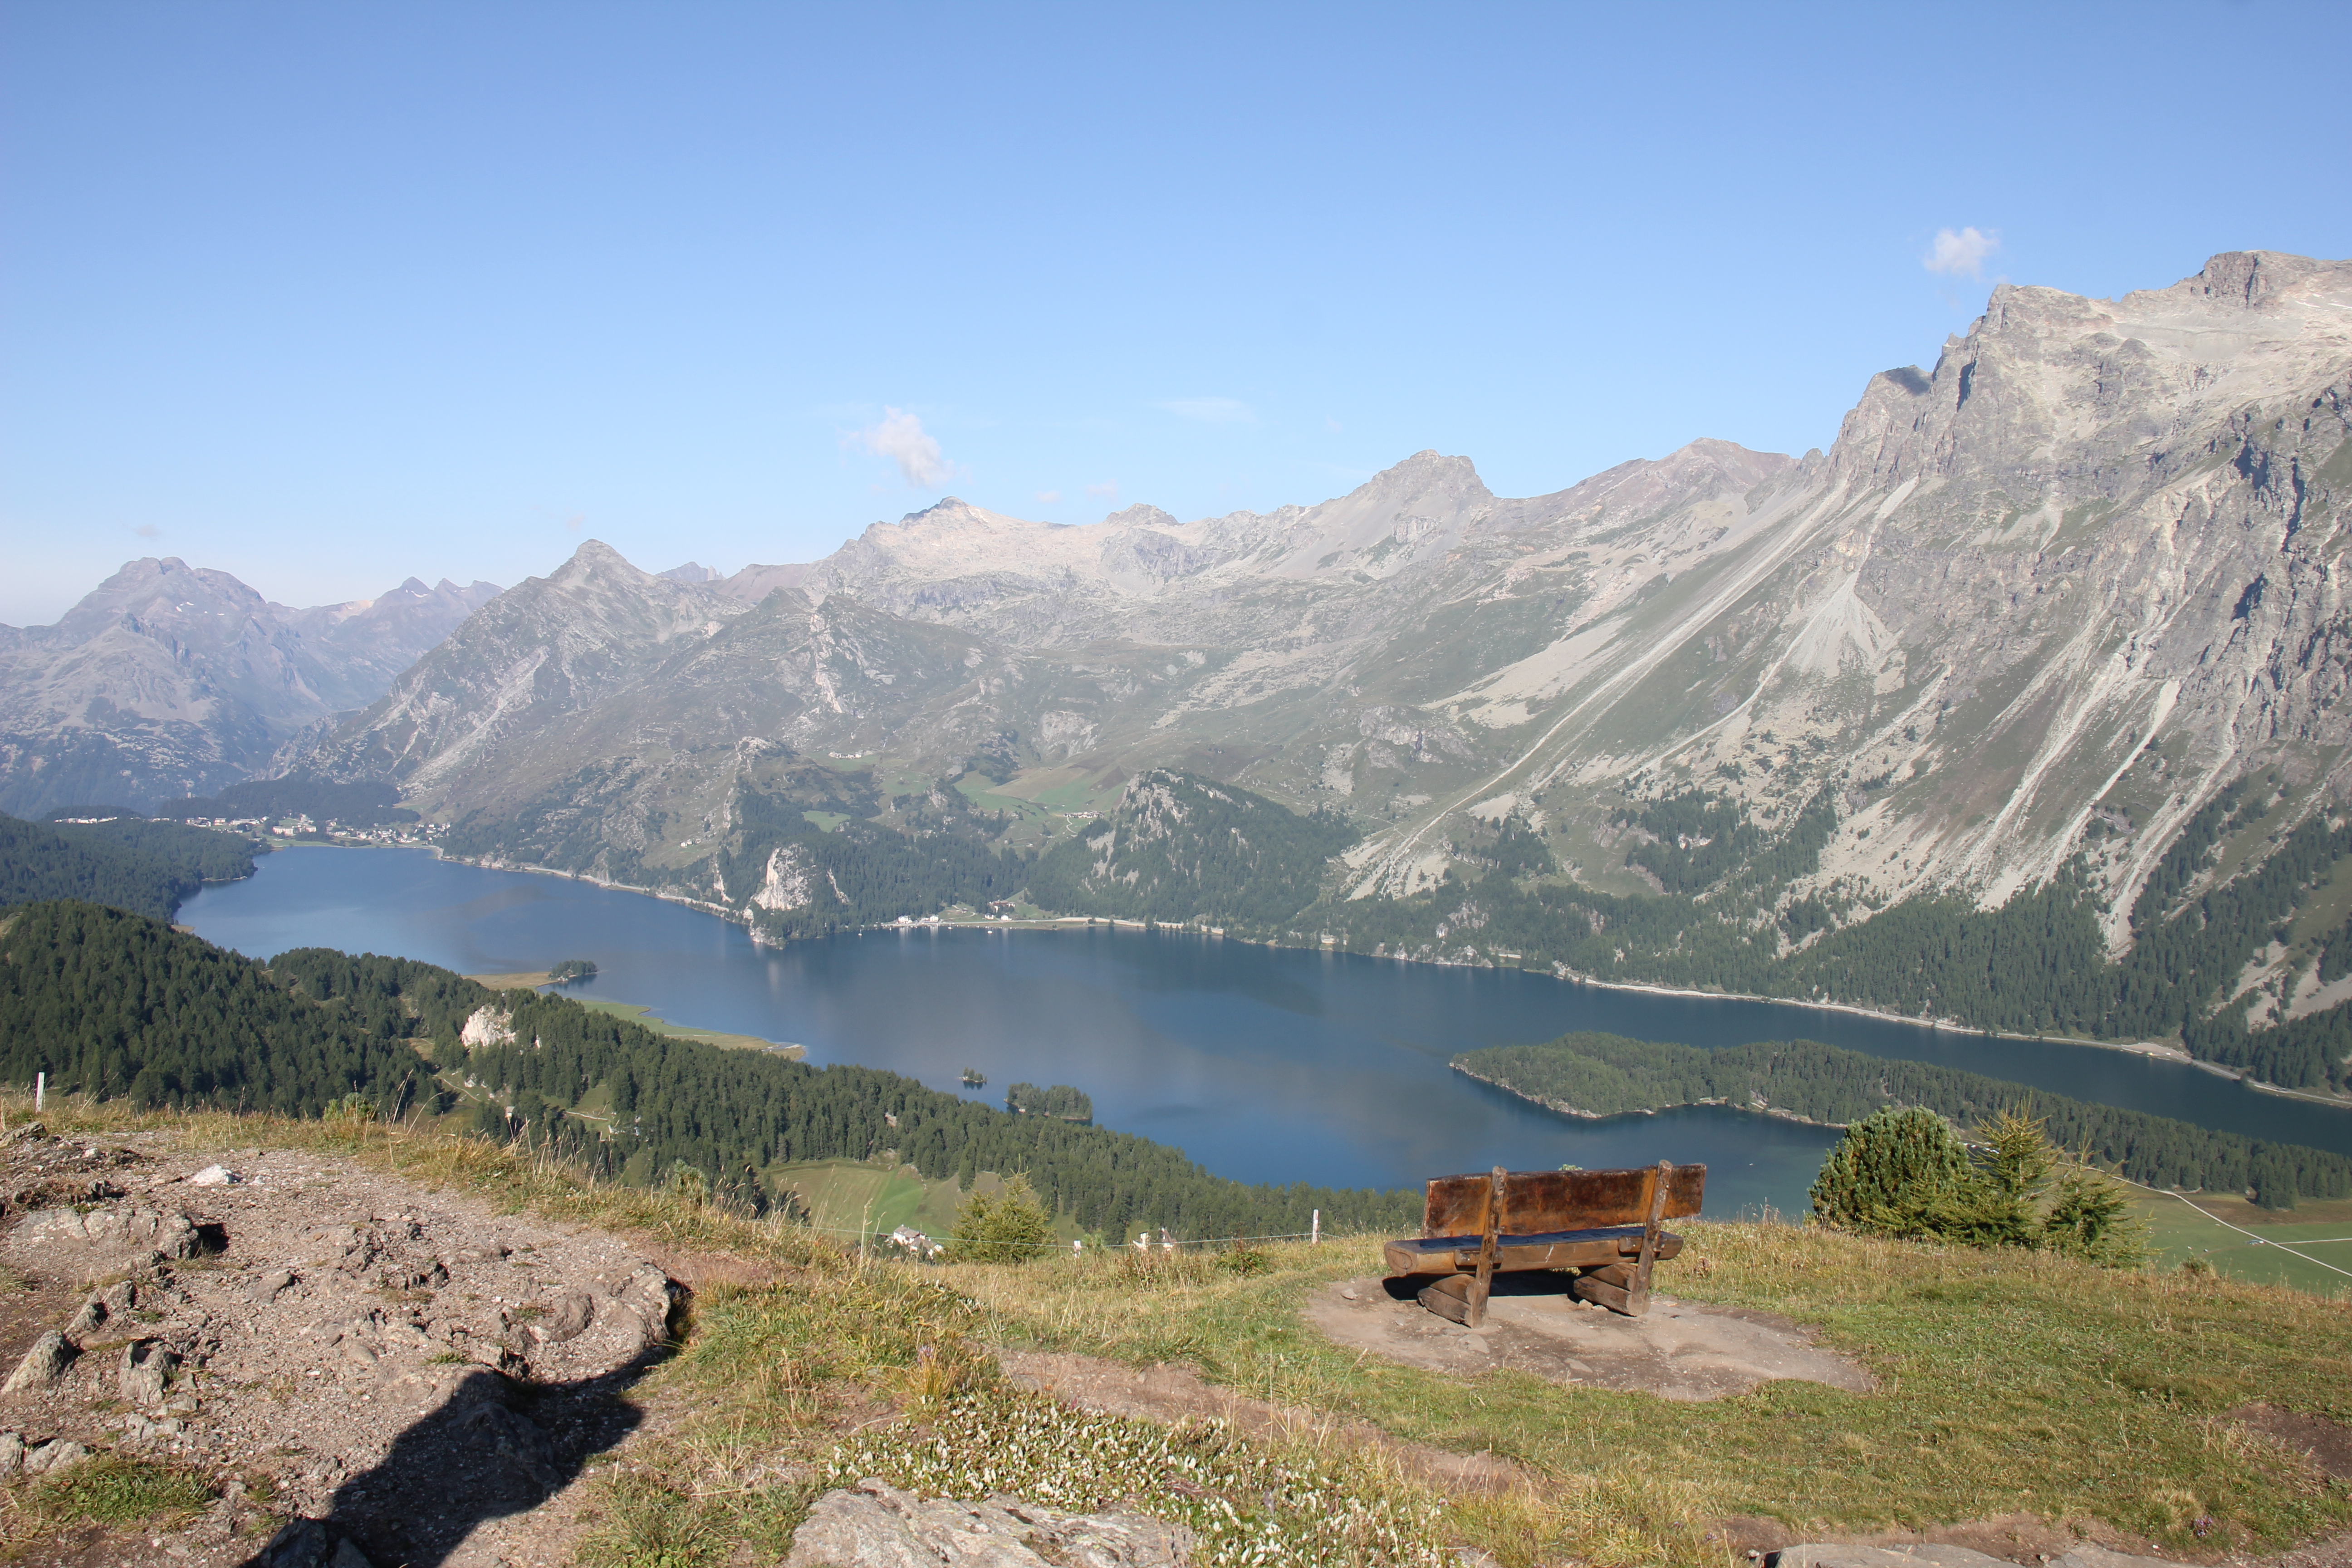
(2032,611)
(168,680)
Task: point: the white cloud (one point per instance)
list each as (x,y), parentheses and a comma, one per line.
(1964,251)
(1108,490)
(1212,410)
(1050,498)
(148,531)
(900,436)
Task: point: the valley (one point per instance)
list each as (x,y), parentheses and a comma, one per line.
(2038,662)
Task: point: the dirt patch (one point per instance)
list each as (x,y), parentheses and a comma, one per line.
(419,1372)
(2327,1444)
(1172,1394)
(1679,1351)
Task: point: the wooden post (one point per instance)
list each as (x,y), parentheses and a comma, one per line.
(1496,1183)
(1638,1300)
(40,1089)
(1315,1229)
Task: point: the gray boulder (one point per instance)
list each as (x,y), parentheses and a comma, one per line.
(42,1366)
(146,1372)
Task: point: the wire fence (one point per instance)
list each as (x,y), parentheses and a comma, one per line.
(2241,1230)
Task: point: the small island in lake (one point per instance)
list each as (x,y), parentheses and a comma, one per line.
(572,969)
(1061,1100)
(974,1078)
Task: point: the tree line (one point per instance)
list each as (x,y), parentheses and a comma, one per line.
(111,1004)
(1608,1074)
(2037,964)
(127,862)
(1180,847)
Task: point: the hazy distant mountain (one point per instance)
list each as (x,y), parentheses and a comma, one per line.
(2032,611)
(692,572)
(169,680)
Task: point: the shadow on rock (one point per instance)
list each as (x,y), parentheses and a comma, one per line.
(486,1447)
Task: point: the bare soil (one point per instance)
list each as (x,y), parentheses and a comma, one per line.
(425,1375)
(1681,1350)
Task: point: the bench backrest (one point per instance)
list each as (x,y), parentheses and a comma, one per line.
(1537,1201)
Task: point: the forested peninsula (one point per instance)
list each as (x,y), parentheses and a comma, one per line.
(1608,1074)
(126,861)
(109,1002)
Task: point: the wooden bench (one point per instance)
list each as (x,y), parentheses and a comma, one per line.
(1607,1224)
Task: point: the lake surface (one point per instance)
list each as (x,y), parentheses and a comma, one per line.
(1263,1064)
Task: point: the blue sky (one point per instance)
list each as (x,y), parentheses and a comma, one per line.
(326,295)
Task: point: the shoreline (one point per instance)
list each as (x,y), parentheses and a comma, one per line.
(1562,1108)
(2154,1051)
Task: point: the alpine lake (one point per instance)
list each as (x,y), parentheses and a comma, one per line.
(1263,1064)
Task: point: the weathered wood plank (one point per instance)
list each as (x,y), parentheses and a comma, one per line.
(1561,1249)
(1600,1293)
(1557,1200)
(1449,1298)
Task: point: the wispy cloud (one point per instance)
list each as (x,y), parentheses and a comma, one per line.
(1108,490)
(900,436)
(1961,250)
(1051,498)
(148,531)
(1212,410)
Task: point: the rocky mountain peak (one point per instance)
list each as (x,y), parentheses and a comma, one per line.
(596,560)
(1140,515)
(1428,472)
(2254,278)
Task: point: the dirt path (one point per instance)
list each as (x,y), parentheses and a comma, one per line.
(1681,1350)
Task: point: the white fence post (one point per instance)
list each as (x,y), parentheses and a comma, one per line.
(40,1089)
(1315,1229)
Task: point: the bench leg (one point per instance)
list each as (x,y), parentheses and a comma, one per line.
(1603,1290)
(1480,1283)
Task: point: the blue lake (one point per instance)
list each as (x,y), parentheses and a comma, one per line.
(1263,1064)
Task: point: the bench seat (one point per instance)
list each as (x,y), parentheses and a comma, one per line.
(1542,1249)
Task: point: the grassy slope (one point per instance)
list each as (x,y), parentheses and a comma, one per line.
(2009,1383)
(2012,1382)
(2180,1232)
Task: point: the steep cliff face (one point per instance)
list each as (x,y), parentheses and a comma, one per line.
(2040,602)
(169,680)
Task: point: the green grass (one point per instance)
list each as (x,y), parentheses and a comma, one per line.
(2181,1230)
(2009,1383)
(859,1194)
(848,1196)
(104,1489)
(644,1017)
(826,821)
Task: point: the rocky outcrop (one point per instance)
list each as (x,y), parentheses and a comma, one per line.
(875,1525)
(360,1341)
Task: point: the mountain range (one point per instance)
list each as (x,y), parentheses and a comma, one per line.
(169,680)
(2055,618)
